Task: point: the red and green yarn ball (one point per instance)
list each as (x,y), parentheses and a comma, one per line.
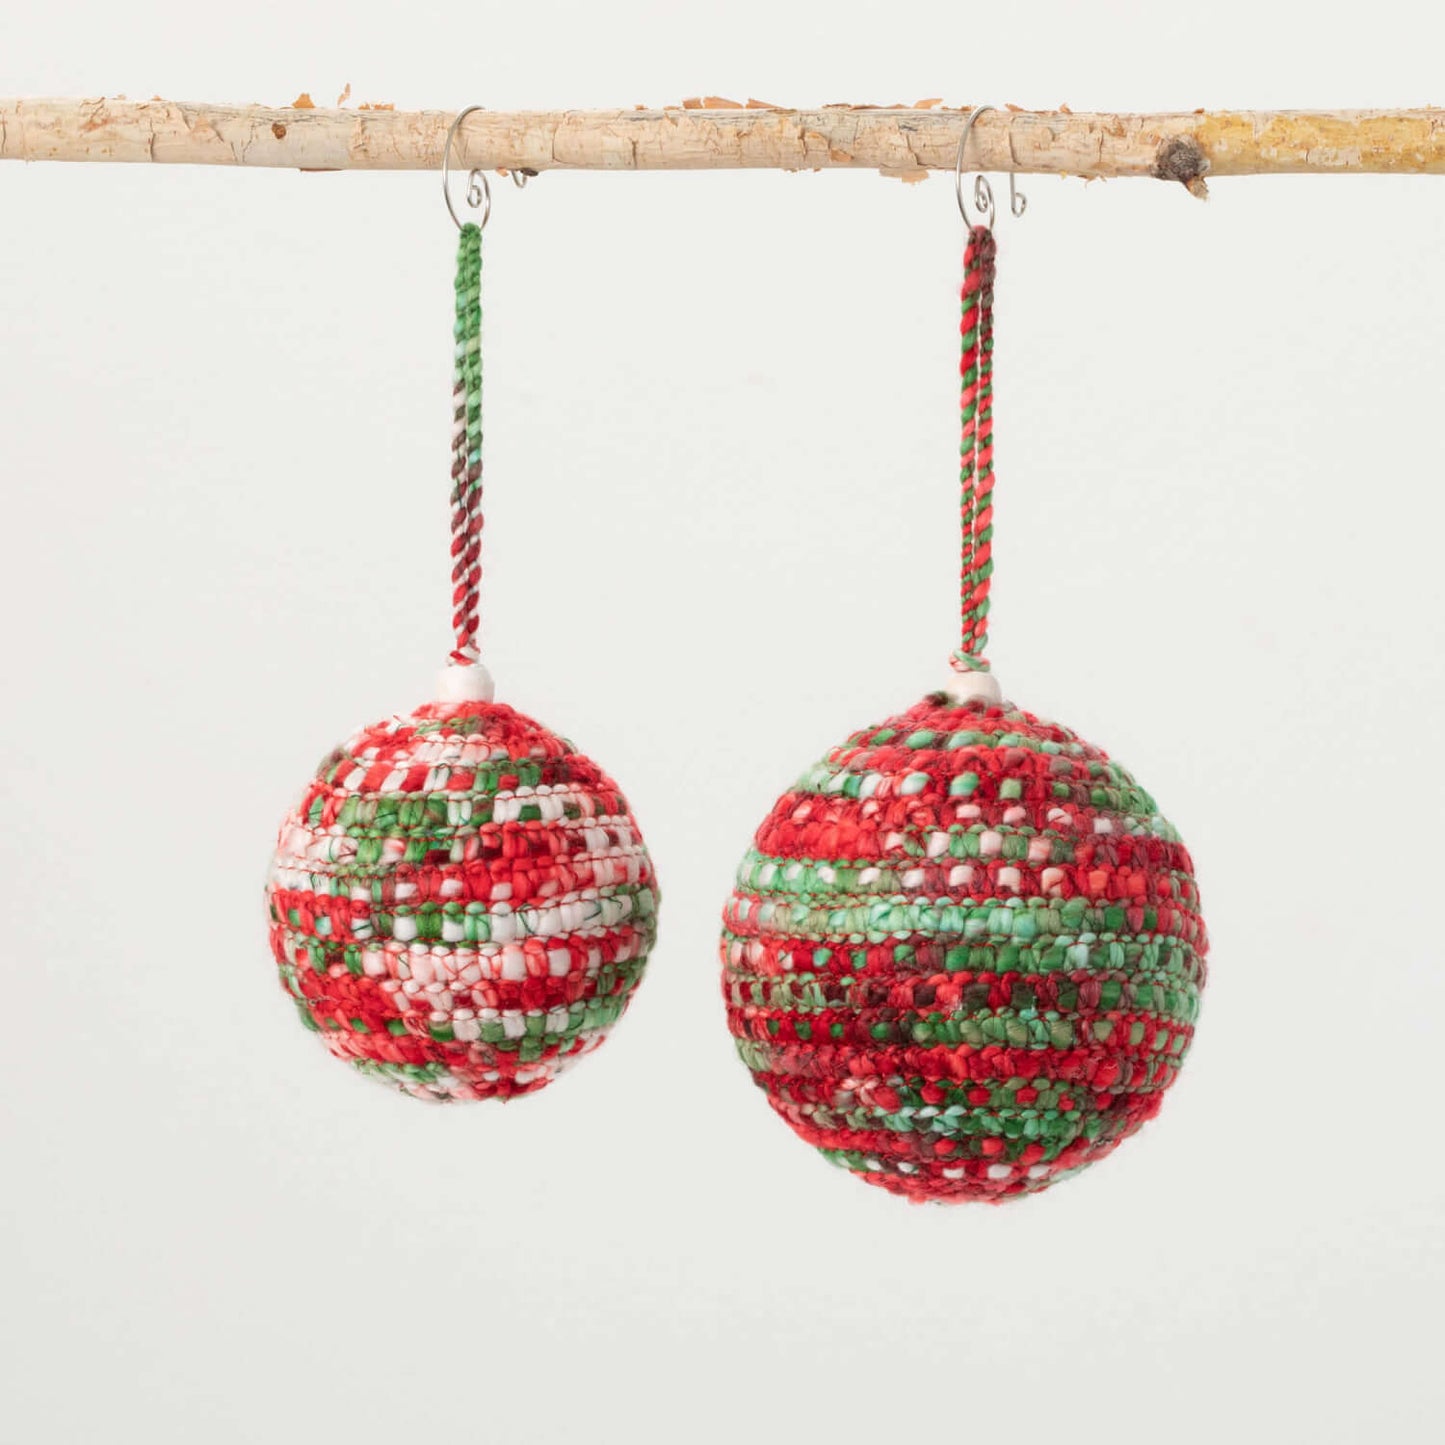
(964,954)
(461,904)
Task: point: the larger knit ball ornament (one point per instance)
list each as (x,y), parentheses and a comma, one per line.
(964,954)
(461,903)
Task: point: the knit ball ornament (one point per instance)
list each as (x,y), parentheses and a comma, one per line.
(964,954)
(461,903)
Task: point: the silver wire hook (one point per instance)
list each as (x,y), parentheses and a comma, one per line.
(982,191)
(479,188)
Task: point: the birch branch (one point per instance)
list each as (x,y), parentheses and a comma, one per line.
(1184,146)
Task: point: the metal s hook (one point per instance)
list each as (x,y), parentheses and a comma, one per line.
(982,191)
(479,189)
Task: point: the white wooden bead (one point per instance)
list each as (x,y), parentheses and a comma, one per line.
(465,684)
(962,686)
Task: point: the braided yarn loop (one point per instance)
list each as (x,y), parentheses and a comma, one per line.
(976,449)
(467,447)
(964,954)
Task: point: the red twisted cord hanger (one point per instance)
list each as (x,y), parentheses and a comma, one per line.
(976,449)
(467,448)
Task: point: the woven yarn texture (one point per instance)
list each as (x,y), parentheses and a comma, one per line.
(461,903)
(964,953)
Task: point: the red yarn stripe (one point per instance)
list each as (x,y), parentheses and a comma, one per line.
(1099,1066)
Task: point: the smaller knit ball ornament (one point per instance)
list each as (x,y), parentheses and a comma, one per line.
(461,903)
(964,954)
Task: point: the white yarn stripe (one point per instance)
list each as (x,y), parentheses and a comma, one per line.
(300,842)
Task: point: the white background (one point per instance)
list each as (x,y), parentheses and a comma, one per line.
(721,471)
